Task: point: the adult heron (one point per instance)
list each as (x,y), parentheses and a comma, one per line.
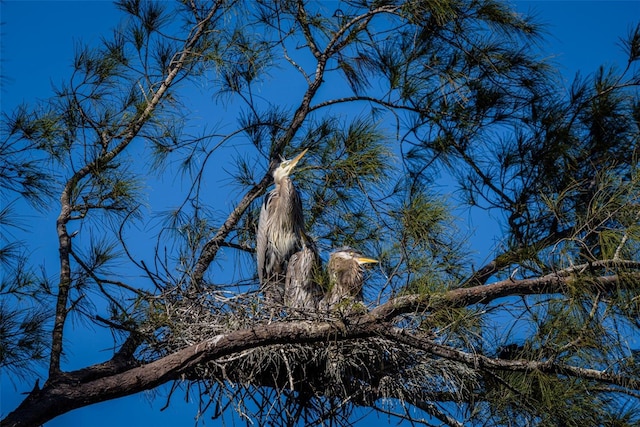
(346,276)
(280,230)
(301,289)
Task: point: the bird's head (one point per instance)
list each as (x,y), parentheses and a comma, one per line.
(350,256)
(285,168)
(346,271)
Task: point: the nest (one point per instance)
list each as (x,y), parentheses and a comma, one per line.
(290,383)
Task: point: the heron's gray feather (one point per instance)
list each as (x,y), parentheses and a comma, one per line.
(280,230)
(301,290)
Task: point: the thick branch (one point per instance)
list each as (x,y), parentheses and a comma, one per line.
(81,388)
(555,283)
(119,377)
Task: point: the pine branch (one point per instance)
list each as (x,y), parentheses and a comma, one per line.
(126,136)
(210,249)
(554,283)
(480,361)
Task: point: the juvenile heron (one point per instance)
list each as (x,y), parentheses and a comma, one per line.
(280,230)
(346,276)
(301,290)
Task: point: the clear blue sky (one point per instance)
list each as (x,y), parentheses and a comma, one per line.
(38,39)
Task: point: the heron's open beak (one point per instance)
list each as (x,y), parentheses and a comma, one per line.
(296,159)
(363,260)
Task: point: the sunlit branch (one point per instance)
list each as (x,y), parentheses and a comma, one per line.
(554,283)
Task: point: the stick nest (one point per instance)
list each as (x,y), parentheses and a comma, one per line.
(309,382)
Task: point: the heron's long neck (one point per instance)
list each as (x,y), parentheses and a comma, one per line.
(348,281)
(291,209)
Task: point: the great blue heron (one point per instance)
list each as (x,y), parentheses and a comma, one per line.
(301,289)
(346,277)
(280,230)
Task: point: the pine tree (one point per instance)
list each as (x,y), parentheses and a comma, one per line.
(388,97)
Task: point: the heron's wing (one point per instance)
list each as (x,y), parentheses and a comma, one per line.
(301,289)
(291,278)
(261,236)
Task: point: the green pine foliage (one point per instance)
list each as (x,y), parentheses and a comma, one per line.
(414,114)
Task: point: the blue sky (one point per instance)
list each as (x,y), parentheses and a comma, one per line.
(38,40)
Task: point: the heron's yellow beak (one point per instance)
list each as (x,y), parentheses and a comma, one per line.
(363,260)
(286,167)
(296,159)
